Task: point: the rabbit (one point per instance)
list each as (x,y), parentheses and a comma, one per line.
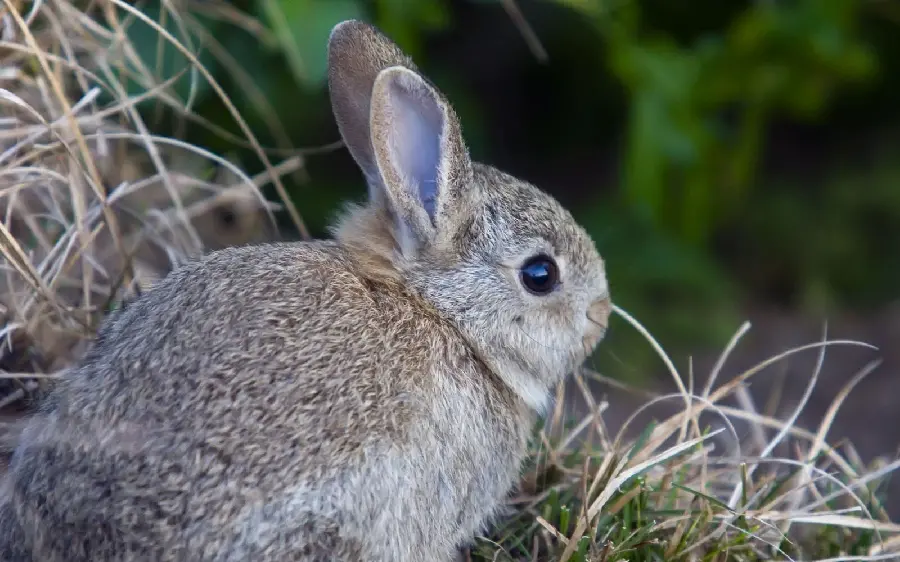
(366,397)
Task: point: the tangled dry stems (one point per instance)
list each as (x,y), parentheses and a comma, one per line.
(684,490)
(95,207)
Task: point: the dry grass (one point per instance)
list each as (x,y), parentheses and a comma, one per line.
(95,207)
(692,490)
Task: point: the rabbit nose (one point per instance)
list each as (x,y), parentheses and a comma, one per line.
(599,311)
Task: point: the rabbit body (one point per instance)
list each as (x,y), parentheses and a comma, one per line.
(284,438)
(365,398)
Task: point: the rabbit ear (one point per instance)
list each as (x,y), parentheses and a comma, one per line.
(357,52)
(424,164)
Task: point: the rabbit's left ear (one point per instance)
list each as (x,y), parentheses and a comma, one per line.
(423,160)
(357,53)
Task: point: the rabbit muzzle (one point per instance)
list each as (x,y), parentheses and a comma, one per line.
(598,321)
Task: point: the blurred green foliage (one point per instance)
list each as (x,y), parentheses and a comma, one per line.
(687,96)
(685,165)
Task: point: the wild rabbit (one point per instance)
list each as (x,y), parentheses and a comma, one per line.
(363,398)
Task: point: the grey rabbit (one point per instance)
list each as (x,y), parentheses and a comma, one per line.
(368,397)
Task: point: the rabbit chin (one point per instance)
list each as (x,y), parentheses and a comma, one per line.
(534,391)
(531,374)
(533,362)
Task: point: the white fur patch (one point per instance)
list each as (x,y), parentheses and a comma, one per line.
(527,387)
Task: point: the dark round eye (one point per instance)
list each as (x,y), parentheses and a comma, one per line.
(540,275)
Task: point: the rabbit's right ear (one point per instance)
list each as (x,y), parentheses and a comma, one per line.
(423,160)
(357,53)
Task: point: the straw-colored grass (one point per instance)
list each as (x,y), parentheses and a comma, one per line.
(686,490)
(95,207)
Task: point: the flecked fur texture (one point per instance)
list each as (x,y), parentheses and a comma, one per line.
(366,398)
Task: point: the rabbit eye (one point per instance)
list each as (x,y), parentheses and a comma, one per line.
(540,275)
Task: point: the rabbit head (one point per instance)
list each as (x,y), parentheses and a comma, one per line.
(501,260)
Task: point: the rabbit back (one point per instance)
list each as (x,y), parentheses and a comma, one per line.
(258,400)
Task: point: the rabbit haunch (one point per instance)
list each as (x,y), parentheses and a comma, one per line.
(365,398)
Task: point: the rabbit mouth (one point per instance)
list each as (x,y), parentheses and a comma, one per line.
(593,338)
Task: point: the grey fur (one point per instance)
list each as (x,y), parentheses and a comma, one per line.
(367,398)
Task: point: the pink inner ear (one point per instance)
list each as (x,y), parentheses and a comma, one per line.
(415,137)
